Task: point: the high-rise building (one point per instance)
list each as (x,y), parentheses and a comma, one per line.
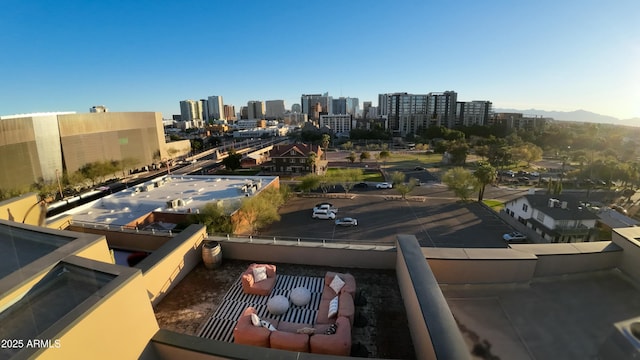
(255,109)
(244,112)
(406,113)
(475,112)
(353,106)
(309,101)
(340,124)
(216,108)
(204,109)
(442,108)
(229,112)
(274,109)
(191,110)
(365,109)
(296,108)
(339,105)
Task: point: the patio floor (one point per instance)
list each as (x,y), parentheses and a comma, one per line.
(188,307)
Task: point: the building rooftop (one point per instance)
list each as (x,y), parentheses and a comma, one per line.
(381,329)
(171,193)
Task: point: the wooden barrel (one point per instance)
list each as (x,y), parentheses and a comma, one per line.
(211,254)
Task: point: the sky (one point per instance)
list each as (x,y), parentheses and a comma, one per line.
(148,55)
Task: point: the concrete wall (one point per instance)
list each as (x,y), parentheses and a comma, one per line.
(98,251)
(627,239)
(169,264)
(127,240)
(434,331)
(473,266)
(313,254)
(569,258)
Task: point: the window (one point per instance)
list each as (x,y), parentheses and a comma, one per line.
(525,207)
(540,216)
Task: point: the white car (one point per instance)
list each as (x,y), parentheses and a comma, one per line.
(384,185)
(323,215)
(514,236)
(325,206)
(347,222)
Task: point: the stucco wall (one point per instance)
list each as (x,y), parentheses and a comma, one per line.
(626,238)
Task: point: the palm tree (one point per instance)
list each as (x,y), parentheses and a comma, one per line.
(311,161)
(486,174)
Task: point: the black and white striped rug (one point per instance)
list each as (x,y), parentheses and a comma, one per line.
(220,325)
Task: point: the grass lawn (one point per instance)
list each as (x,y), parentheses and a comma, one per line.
(495,205)
(369,175)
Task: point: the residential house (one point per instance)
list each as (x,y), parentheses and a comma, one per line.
(297,159)
(556,218)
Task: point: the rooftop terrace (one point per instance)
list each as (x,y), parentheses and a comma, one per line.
(384,333)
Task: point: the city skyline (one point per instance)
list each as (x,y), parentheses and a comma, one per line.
(148,56)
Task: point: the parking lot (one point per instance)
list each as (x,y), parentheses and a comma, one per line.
(436,221)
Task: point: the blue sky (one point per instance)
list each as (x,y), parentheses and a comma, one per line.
(148,55)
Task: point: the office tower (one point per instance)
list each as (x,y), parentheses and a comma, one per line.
(216,108)
(442,108)
(365,109)
(473,113)
(189,110)
(244,112)
(274,109)
(98,109)
(296,108)
(353,106)
(204,109)
(339,105)
(255,109)
(229,112)
(308,101)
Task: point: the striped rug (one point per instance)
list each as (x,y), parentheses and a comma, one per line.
(220,325)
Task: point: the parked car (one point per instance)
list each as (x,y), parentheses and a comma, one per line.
(514,236)
(418,168)
(384,185)
(361,185)
(347,222)
(325,206)
(534,174)
(323,215)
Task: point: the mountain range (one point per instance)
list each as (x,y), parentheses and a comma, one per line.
(577,115)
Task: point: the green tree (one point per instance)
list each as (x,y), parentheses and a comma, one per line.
(364,156)
(214,218)
(461,182)
(485,174)
(400,186)
(459,150)
(347,178)
(352,157)
(347,145)
(309,182)
(325,140)
(384,155)
(260,210)
(312,160)
(232,161)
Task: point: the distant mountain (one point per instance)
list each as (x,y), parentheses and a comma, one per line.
(577,115)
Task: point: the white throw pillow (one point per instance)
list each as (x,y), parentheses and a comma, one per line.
(255,320)
(336,284)
(333,307)
(259,273)
(266,324)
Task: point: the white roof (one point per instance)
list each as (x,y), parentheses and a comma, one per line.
(175,193)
